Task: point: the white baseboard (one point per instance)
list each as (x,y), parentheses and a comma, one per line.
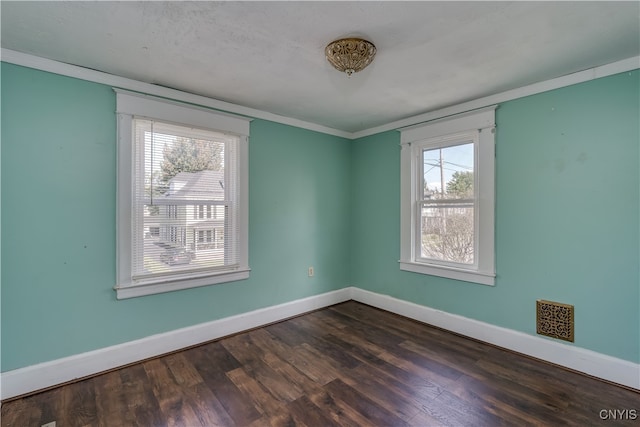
(589,362)
(43,375)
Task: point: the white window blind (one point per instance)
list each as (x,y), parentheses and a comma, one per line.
(186,173)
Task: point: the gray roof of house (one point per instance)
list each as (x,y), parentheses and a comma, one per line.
(206,185)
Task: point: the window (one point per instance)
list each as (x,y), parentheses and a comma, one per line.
(446,203)
(447,197)
(172,211)
(199,211)
(176,165)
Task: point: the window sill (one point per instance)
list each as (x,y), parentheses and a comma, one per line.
(449,272)
(138,290)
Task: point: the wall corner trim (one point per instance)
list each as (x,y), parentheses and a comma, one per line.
(49,374)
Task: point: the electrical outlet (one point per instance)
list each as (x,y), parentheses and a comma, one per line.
(311,271)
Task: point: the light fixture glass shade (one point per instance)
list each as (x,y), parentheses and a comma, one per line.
(350,55)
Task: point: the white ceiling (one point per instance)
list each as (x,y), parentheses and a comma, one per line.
(270,55)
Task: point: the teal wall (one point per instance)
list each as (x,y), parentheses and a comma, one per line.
(567,217)
(567,221)
(58,224)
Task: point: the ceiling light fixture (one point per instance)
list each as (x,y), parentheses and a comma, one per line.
(350,55)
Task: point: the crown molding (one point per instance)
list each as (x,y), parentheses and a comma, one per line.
(39,63)
(61,68)
(622,66)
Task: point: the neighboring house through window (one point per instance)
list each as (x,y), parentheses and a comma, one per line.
(182,189)
(447,197)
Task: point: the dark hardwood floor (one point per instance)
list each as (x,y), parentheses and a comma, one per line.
(347,365)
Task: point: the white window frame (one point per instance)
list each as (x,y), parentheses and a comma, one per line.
(479,125)
(130,105)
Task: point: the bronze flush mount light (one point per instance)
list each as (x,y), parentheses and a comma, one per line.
(350,55)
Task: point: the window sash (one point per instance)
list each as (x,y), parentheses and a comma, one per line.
(419,148)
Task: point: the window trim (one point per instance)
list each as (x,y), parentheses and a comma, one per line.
(413,140)
(130,104)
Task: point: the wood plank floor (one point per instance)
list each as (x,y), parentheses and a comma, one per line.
(347,365)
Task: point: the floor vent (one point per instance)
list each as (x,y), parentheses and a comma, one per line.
(554,319)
